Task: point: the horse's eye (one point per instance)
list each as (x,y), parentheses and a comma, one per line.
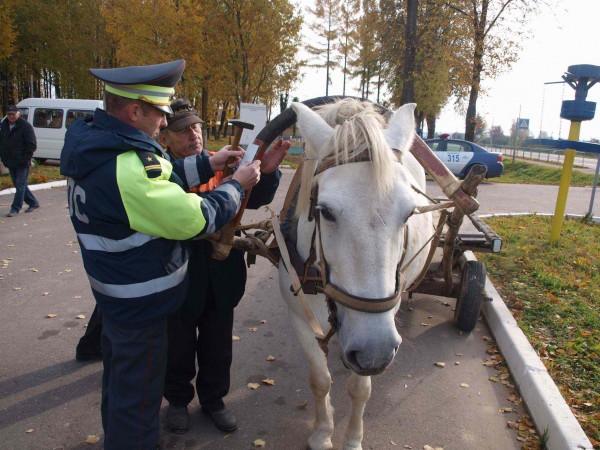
(326,214)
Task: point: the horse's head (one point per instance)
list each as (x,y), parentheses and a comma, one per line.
(363,201)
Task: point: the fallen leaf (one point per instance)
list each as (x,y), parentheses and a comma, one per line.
(303,405)
(393,443)
(407,446)
(77,296)
(51,316)
(269,381)
(270,358)
(253,329)
(494,379)
(505,410)
(45,293)
(458,354)
(263,321)
(29,431)
(68,270)
(456,363)
(464,385)
(253,385)
(259,443)
(235,338)
(16,289)
(80,316)
(423,324)
(440,364)
(33,269)
(92,439)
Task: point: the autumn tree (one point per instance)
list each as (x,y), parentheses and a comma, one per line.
(326,27)
(347,43)
(7,47)
(426,73)
(367,63)
(55,45)
(252,47)
(493,30)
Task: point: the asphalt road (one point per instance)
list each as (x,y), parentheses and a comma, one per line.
(50,401)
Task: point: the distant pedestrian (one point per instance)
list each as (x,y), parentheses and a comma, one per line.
(17,144)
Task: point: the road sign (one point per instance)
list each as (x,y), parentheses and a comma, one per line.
(523,124)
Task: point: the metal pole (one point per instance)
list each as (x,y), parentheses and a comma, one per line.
(565,181)
(590,213)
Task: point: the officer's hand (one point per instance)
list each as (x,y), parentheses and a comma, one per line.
(219,159)
(248,175)
(274,156)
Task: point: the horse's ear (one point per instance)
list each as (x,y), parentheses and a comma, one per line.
(401,129)
(314,129)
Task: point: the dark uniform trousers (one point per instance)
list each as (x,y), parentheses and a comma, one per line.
(130,411)
(207,338)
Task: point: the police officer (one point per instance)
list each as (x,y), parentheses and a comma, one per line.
(129,208)
(201,330)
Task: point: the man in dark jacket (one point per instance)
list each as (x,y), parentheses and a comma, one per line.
(202,329)
(130,211)
(17,144)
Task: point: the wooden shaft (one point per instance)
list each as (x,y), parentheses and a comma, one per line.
(222,247)
(443,177)
(237,136)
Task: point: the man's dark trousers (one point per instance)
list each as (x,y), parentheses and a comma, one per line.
(213,349)
(132,384)
(19,176)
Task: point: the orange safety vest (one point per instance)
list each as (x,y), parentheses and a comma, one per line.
(211,184)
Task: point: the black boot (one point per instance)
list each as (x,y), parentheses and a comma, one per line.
(178,419)
(223,419)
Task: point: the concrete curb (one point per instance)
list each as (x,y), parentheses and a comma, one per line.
(545,403)
(37,187)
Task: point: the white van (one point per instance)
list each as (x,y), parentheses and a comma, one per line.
(50,118)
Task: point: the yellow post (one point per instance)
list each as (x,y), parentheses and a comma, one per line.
(565,181)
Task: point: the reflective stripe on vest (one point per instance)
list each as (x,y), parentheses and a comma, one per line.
(191,171)
(140,289)
(95,242)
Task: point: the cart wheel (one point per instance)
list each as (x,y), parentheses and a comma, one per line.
(470,299)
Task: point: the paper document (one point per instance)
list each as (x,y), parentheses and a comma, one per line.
(250,154)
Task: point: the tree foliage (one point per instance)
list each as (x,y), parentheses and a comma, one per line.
(494,30)
(326,27)
(47,47)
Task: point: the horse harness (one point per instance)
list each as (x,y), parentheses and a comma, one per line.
(307,279)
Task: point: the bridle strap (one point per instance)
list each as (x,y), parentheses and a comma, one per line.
(368,305)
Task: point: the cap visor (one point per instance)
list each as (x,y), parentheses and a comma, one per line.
(184,122)
(167,109)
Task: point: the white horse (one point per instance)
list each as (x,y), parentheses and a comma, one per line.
(365,199)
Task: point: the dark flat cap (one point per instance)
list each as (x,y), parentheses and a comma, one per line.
(183,115)
(11,109)
(152,84)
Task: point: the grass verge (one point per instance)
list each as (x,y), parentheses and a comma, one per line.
(554,294)
(529,173)
(38,174)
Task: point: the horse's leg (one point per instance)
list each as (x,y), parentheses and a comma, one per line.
(320,384)
(359,390)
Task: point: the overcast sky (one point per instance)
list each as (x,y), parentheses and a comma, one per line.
(569,35)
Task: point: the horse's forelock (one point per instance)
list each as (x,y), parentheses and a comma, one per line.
(358,128)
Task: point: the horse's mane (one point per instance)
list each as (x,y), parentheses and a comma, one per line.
(358,128)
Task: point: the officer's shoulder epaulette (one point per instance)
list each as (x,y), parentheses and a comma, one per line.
(150,162)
